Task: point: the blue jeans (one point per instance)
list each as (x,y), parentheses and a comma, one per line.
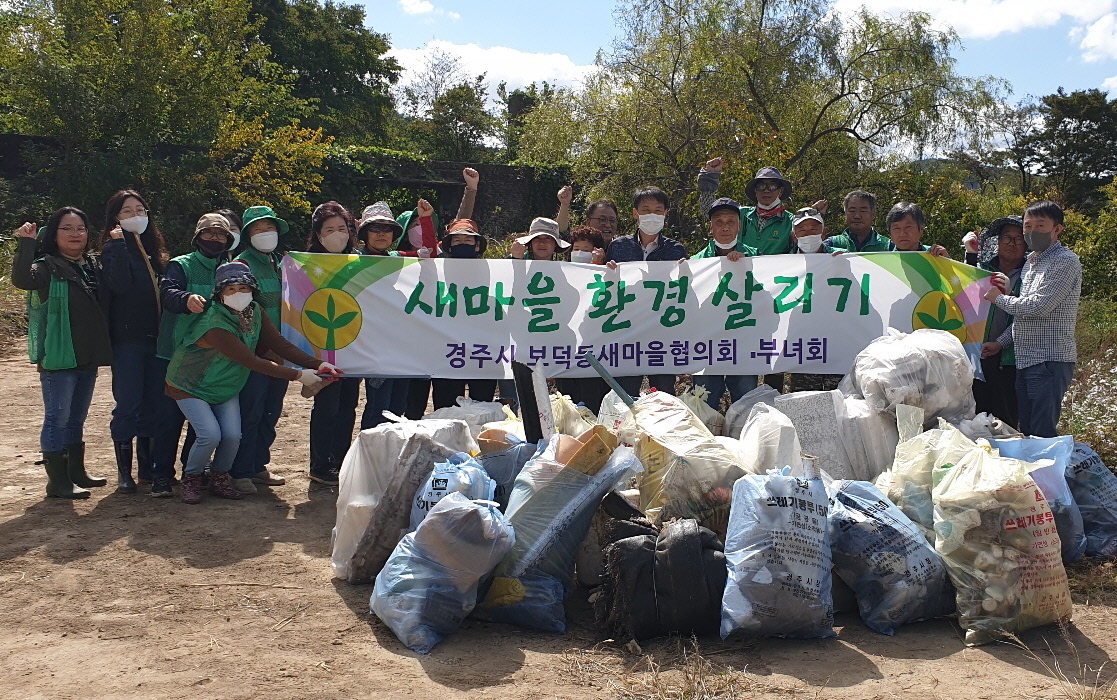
(331,423)
(1039,395)
(737,384)
(67,394)
(218,430)
(261,404)
(389,396)
(138,381)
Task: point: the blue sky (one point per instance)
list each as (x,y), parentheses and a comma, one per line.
(1038,45)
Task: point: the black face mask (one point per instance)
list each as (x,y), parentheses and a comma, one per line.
(211,249)
(463,250)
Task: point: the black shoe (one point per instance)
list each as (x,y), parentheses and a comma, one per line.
(328,476)
(75,466)
(161,488)
(125,483)
(145,472)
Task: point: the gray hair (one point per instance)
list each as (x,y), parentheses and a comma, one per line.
(860,194)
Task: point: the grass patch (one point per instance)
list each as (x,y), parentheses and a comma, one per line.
(1093,581)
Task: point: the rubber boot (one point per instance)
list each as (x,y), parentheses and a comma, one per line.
(75,467)
(58,478)
(144,470)
(123,450)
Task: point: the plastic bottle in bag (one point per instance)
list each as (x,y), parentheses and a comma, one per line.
(461,474)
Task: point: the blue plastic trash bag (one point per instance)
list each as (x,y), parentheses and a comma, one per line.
(1052,481)
(551,507)
(504,466)
(1095,490)
(461,474)
(778,554)
(895,573)
(429,584)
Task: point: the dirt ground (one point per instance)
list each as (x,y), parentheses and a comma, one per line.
(129,596)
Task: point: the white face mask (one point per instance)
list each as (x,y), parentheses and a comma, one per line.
(236,240)
(725,246)
(335,242)
(134,224)
(581,256)
(238,301)
(415,236)
(265,241)
(652,224)
(809,244)
(773,205)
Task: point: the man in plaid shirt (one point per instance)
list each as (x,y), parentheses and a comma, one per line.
(1045,315)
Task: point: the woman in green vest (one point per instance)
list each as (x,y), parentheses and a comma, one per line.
(68,338)
(210,367)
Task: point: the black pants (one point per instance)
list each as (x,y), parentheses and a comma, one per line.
(418,392)
(997,394)
(447,391)
(585,390)
(331,423)
(659,382)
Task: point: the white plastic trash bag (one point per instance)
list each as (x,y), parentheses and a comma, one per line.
(769,441)
(738,413)
(613,411)
(429,584)
(818,417)
(568,419)
(381,471)
(912,471)
(997,535)
(461,474)
(695,399)
(986,425)
(475,413)
(778,554)
(870,438)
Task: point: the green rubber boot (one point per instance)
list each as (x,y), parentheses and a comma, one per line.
(75,467)
(58,478)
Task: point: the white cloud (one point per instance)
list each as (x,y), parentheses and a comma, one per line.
(424,7)
(1110,85)
(1098,40)
(517,68)
(986,19)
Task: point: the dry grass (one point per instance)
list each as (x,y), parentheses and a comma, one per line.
(1082,682)
(1093,581)
(678,671)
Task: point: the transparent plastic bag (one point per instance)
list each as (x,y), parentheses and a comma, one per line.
(740,410)
(769,441)
(1095,491)
(475,413)
(429,584)
(613,411)
(550,508)
(913,471)
(379,476)
(985,425)
(504,466)
(695,400)
(997,535)
(927,368)
(568,419)
(870,438)
(1052,481)
(461,474)
(895,573)
(778,555)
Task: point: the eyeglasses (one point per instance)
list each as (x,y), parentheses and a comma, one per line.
(72,229)
(768,186)
(138,211)
(1012,240)
(379,228)
(212,234)
(603,219)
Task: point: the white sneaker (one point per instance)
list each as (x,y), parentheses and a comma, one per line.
(244,485)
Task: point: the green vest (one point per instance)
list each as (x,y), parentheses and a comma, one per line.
(773,239)
(205,372)
(846,243)
(711,250)
(49,343)
(199,271)
(1008,355)
(265,268)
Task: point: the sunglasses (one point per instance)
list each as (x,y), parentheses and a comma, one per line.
(768,186)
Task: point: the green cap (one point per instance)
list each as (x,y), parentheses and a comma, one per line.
(252,214)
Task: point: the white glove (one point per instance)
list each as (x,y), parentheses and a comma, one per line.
(969,241)
(327,368)
(309,377)
(424,252)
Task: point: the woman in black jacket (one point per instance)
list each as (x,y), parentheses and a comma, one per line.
(68,339)
(133,259)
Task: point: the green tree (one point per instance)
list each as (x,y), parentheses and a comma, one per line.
(1077,147)
(517,105)
(459,126)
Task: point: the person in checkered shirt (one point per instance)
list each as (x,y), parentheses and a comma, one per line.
(1044,319)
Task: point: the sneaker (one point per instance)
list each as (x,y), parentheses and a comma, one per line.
(328,476)
(266,478)
(161,488)
(221,485)
(244,485)
(191,491)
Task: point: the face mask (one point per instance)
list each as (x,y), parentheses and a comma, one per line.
(463,250)
(211,249)
(236,240)
(134,224)
(265,242)
(651,224)
(238,301)
(725,246)
(581,256)
(773,205)
(1039,242)
(809,244)
(335,242)
(415,236)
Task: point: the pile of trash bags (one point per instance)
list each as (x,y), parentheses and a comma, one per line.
(679,520)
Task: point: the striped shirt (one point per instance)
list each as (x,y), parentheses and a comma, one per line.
(1047,307)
